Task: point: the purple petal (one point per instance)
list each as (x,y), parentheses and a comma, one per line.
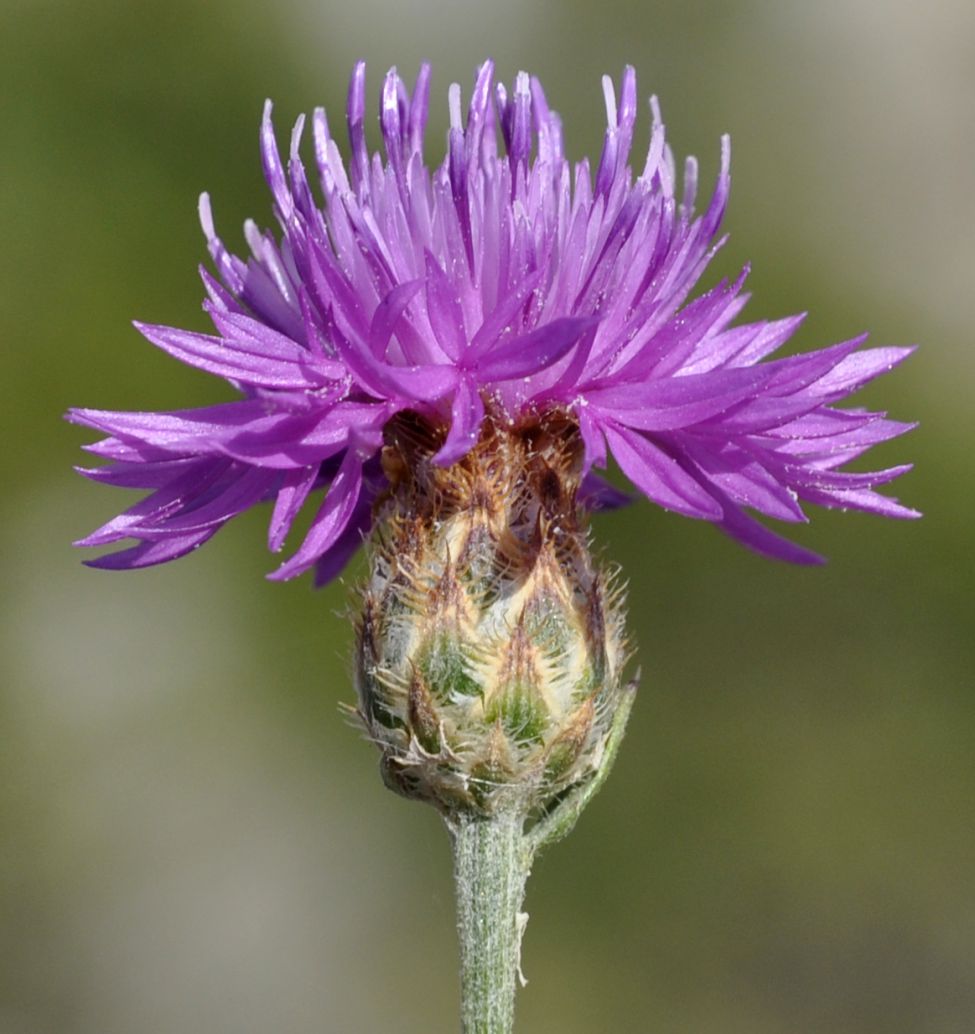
(847,445)
(285,441)
(859,368)
(271,158)
(330,521)
(237,495)
(757,537)
(830,480)
(593,439)
(176,494)
(861,499)
(759,416)
(501,318)
(334,562)
(823,423)
(529,353)
(466,416)
(148,553)
(676,401)
(745,480)
(391,121)
(413,383)
(659,476)
(150,474)
(418,108)
(247,359)
(219,297)
(444,310)
(569,376)
(230,268)
(291,497)
(181,431)
(355,116)
(770,338)
(596,493)
(793,374)
(387,316)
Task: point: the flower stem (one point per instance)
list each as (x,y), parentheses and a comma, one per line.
(492,861)
(491,865)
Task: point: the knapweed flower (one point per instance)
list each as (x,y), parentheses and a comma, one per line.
(451,353)
(502,284)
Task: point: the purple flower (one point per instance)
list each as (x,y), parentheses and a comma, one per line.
(502,283)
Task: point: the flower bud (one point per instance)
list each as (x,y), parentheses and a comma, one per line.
(490,647)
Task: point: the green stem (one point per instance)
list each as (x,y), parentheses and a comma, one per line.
(492,862)
(491,865)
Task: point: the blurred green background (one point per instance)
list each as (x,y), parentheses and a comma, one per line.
(193,840)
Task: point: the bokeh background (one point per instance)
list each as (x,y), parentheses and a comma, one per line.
(191,839)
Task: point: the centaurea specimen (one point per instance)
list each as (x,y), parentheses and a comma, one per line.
(447,357)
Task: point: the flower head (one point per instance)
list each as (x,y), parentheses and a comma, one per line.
(500,287)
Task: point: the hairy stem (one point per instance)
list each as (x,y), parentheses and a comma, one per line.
(491,865)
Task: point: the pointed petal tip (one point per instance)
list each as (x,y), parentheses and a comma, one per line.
(787,552)
(289,569)
(96,563)
(93,474)
(484,74)
(83,415)
(450,454)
